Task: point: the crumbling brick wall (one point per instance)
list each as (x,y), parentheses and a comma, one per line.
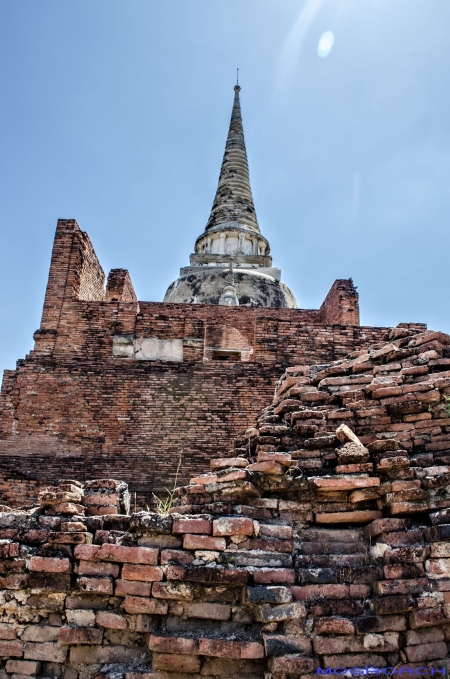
(72,408)
(308,547)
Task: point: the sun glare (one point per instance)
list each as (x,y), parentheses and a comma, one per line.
(325,44)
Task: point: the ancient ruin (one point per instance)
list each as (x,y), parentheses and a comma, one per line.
(319,544)
(306,532)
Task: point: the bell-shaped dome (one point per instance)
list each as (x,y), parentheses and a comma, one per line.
(232,238)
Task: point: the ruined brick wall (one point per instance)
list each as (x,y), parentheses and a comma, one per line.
(341,305)
(119,287)
(81,404)
(306,547)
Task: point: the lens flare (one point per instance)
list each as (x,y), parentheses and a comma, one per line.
(325,44)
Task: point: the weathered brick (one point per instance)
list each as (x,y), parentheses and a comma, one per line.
(192,525)
(11,649)
(134,604)
(267,613)
(142,573)
(49,565)
(80,635)
(204,542)
(423,652)
(293,664)
(209,611)
(107,654)
(133,587)
(232,526)
(173,645)
(45,652)
(275,576)
(97,585)
(110,620)
(176,663)
(26,667)
(98,569)
(180,591)
(40,633)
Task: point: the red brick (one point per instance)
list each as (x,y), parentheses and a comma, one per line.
(202,526)
(292,664)
(208,611)
(137,555)
(218,648)
(232,526)
(134,604)
(49,565)
(97,585)
(11,649)
(173,645)
(189,664)
(333,626)
(204,542)
(311,592)
(132,587)
(80,635)
(27,667)
(424,652)
(110,620)
(274,576)
(142,573)
(427,618)
(7,632)
(99,569)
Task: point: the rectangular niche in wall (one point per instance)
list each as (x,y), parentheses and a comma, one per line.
(147,348)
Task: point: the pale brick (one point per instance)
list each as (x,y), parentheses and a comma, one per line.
(110,620)
(208,611)
(26,667)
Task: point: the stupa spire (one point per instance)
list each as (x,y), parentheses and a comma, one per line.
(233,202)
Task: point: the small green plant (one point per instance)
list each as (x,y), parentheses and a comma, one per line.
(164,505)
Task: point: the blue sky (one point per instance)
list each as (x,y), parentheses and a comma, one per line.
(115,113)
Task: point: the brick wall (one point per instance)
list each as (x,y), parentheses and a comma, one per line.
(70,408)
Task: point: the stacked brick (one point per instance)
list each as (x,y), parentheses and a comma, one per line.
(321,542)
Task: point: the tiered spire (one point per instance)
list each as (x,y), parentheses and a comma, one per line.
(233,202)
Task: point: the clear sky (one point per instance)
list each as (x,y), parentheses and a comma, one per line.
(115,113)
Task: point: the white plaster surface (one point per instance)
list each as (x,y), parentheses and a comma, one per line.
(155,349)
